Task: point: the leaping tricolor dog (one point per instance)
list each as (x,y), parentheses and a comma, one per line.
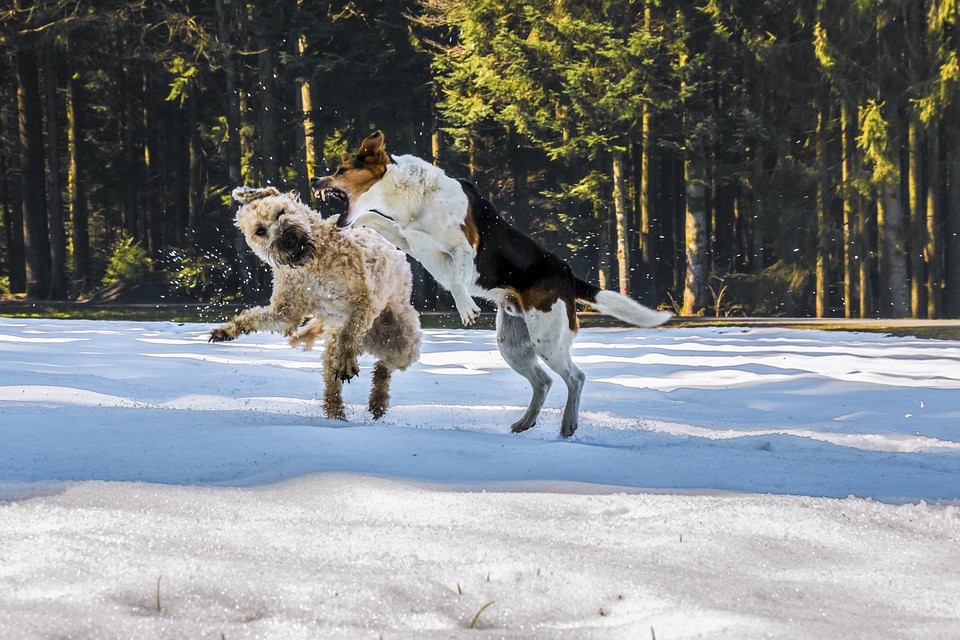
(469,249)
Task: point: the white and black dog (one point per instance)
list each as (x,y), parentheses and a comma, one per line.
(469,249)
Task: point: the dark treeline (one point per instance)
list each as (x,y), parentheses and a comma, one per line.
(763,157)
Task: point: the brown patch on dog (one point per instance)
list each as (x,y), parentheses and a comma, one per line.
(544,295)
(469,228)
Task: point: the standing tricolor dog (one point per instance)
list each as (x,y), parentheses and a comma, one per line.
(469,249)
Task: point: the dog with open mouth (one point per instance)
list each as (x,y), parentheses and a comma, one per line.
(355,287)
(460,238)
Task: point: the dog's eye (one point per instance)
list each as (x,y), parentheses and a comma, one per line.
(261,231)
(339,171)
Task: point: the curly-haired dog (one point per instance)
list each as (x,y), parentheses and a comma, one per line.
(355,285)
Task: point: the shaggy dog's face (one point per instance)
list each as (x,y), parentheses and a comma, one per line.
(354,177)
(276,226)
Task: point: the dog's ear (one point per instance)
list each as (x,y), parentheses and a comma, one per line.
(246,195)
(372,144)
(345,157)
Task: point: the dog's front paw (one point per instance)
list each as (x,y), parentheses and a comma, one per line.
(345,370)
(468,314)
(223,333)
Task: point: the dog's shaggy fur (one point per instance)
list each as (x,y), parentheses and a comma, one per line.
(354,285)
(463,242)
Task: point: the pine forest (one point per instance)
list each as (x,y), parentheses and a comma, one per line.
(713,157)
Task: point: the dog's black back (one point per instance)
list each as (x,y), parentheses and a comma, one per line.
(507,258)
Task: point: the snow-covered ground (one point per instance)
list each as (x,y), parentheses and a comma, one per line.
(724,483)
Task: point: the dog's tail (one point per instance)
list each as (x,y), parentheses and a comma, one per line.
(620,306)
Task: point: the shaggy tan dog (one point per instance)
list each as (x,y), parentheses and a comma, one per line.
(354,284)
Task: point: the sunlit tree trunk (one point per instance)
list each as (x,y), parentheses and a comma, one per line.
(933,253)
(75,192)
(436,146)
(917,219)
(306,110)
(36,237)
(621,213)
(648,248)
(823,219)
(852,249)
(472,159)
(603,248)
(648,244)
(695,282)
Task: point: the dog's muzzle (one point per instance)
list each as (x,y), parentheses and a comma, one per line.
(294,248)
(325,191)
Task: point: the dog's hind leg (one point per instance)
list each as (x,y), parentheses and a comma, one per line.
(513,339)
(380,390)
(552,336)
(394,337)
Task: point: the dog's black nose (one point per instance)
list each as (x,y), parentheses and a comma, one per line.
(314,181)
(289,241)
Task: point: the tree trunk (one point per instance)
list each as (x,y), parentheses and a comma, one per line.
(36,237)
(933,254)
(520,208)
(678,200)
(131,208)
(648,248)
(194,212)
(865,285)
(951,213)
(153,183)
(852,249)
(603,249)
(894,286)
(621,212)
(823,219)
(305,104)
(695,283)
(58,240)
(472,160)
(75,192)
(918,219)
(757,254)
(225,28)
(9,197)
(243,261)
(436,146)
(269,107)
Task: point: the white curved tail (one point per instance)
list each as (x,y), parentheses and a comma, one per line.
(623,308)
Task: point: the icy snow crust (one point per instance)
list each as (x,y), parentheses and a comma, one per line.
(705,494)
